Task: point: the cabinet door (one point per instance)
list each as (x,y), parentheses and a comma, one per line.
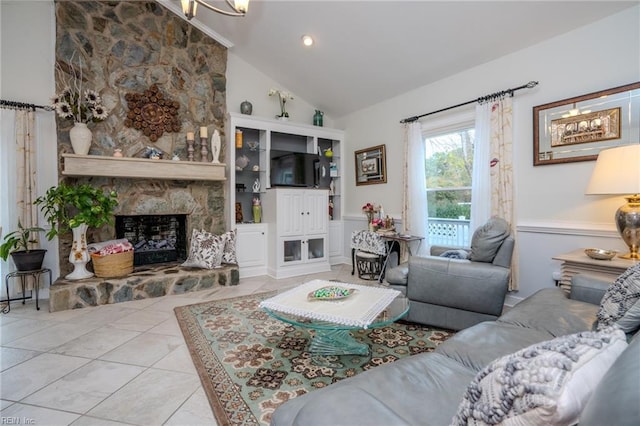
(290,251)
(291,212)
(251,245)
(316,212)
(316,248)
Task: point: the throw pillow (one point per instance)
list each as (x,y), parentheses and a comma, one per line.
(229,253)
(455,254)
(630,321)
(487,239)
(205,250)
(618,300)
(543,384)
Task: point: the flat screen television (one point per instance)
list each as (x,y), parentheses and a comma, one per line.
(295,169)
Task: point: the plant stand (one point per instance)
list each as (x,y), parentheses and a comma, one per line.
(23,280)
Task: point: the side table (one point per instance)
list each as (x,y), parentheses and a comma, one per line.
(577,261)
(22,275)
(393,242)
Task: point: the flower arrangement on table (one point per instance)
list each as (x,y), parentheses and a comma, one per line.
(377,223)
(82,105)
(369,210)
(283,97)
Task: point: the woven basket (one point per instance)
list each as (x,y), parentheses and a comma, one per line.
(113,265)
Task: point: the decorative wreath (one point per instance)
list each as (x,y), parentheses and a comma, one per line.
(152,113)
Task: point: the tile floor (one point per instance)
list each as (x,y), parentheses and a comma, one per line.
(120,364)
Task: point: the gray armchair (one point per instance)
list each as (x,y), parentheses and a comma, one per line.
(455,293)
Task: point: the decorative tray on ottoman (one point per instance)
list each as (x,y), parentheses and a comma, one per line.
(330,293)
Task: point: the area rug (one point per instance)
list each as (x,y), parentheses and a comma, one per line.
(250,363)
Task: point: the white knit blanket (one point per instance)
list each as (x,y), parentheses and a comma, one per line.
(360,309)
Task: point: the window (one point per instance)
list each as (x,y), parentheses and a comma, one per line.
(449,167)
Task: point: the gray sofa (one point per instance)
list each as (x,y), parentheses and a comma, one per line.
(454,293)
(427,389)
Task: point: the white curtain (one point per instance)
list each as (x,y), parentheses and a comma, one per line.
(492,192)
(481,177)
(414,206)
(8,210)
(18,187)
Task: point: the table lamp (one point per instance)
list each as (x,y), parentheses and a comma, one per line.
(617,172)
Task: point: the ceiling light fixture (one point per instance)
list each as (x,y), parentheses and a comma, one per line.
(239,7)
(307,40)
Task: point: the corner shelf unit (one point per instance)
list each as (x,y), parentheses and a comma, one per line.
(250,161)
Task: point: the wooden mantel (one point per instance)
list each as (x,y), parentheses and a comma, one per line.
(144,168)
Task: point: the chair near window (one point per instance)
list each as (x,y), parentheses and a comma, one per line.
(456,288)
(368,251)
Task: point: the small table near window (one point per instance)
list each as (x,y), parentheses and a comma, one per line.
(394,244)
(577,261)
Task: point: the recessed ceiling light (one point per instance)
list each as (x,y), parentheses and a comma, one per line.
(307,40)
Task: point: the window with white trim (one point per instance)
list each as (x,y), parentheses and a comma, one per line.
(449,171)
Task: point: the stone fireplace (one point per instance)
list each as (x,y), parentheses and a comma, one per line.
(201,204)
(124,48)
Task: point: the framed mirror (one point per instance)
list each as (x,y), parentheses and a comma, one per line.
(371,165)
(577,129)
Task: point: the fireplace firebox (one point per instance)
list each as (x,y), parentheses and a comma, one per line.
(155,238)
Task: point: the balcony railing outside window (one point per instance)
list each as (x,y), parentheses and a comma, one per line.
(449,232)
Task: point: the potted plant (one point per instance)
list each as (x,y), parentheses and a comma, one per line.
(18,245)
(77,208)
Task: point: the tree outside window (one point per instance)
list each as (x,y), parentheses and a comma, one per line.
(449,166)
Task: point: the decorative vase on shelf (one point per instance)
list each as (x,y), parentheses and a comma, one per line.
(257,210)
(79,256)
(257,214)
(317,118)
(80,136)
(246,108)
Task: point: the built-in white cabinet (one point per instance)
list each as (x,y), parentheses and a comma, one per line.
(251,249)
(298,231)
(254,145)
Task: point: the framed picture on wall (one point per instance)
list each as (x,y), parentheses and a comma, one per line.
(577,129)
(371,165)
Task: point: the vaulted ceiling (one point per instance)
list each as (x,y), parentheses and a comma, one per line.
(369,51)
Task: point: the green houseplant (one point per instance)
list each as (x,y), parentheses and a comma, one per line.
(18,244)
(75,208)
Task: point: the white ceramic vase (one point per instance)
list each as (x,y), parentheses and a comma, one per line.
(80,136)
(79,255)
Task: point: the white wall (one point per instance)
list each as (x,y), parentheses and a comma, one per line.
(552,211)
(245,82)
(27,40)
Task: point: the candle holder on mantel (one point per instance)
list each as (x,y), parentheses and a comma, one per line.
(204,151)
(190,149)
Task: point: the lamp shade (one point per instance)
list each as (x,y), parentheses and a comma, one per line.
(617,171)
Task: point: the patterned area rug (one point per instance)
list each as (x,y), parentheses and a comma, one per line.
(250,363)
